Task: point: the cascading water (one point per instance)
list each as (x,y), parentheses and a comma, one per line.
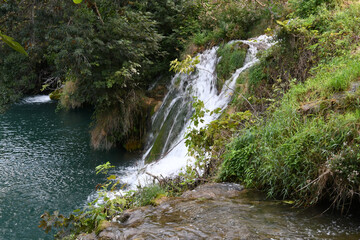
(169,124)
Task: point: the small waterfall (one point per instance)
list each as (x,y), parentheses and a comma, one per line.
(171,121)
(36,99)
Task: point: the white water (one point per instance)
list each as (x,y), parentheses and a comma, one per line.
(201,84)
(36,99)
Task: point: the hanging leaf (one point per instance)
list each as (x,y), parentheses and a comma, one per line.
(77,1)
(12,43)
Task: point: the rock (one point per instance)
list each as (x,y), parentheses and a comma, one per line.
(111,233)
(121,218)
(133,145)
(312,107)
(220,211)
(103,225)
(197,214)
(354,87)
(337,101)
(157,106)
(159,200)
(84,236)
(215,190)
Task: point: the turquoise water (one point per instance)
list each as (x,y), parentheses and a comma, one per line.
(46,164)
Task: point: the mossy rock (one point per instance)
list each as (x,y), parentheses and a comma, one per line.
(55,95)
(161,138)
(160,198)
(102,226)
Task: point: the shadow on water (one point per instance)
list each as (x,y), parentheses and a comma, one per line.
(46,164)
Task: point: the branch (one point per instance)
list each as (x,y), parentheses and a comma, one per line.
(98,13)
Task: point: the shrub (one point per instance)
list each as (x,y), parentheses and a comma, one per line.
(146,195)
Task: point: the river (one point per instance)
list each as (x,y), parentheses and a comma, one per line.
(46,164)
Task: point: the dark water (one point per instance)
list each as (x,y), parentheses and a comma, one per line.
(46,164)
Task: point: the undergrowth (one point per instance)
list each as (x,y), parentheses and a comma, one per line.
(232,56)
(303,157)
(305,95)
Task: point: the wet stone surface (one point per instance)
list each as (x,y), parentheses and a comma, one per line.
(226,211)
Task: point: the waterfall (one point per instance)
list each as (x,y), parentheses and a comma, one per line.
(171,121)
(36,99)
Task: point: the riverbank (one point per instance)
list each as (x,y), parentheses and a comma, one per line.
(223,211)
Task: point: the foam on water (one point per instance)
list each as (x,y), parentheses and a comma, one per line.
(36,99)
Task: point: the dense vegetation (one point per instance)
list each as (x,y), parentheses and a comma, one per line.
(302,141)
(106,54)
(103,54)
(292,129)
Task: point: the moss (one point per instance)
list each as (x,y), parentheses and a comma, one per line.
(102,226)
(232,57)
(55,95)
(161,138)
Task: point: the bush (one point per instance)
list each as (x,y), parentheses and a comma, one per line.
(232,57)
(146,195)
(221,21)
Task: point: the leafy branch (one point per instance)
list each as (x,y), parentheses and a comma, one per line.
(12,43)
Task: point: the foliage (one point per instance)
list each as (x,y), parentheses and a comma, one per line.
(226,20)
(307,40)
(232,57)
(12,43)
(306,8)
(103,208)
(146,195)
(253,88)
(292,155)
(109,51)
(206,143)
(185,66)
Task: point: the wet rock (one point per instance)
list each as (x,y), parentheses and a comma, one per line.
(91,236)
(121,218)
(215,190)
(111,233)
(223,211)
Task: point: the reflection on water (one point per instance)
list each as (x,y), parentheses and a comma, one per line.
(46,163)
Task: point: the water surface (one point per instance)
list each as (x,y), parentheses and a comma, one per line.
(46,164)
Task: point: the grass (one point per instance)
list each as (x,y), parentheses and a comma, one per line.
(303,157)
(232,57)
(146,195)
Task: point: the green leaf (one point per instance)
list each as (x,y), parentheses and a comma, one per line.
(77,1)
(13,44)
(112,177)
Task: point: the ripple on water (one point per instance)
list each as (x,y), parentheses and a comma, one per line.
(46,163)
